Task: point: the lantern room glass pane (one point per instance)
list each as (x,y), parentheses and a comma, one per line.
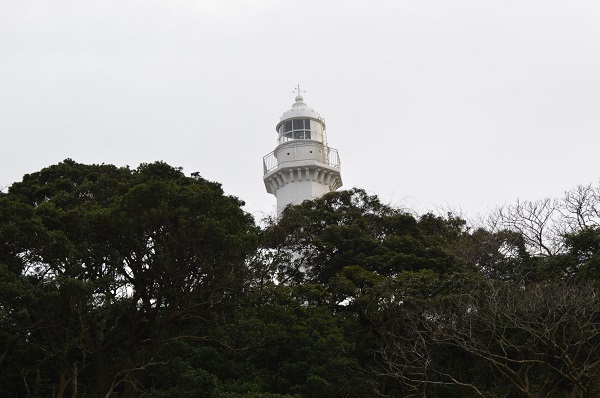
(298,124)
(287,126)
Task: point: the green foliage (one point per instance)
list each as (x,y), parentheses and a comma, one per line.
(118,282)
(365,259)
(349,240)
(114,259)
(583,258)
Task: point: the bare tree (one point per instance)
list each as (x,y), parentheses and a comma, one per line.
(544,340)
(411,358)
(535,221)
(544,223)
(580,208)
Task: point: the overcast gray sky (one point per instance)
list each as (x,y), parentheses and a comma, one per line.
(463,103)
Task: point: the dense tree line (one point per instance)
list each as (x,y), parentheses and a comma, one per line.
(119,282)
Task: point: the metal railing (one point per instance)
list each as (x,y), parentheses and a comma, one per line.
(330,158)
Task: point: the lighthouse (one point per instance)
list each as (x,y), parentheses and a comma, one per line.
(302,166)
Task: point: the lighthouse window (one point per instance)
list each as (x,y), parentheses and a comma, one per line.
(298,135)
(295,129)
(300,124)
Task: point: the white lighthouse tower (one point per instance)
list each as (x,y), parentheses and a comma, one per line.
(302,166)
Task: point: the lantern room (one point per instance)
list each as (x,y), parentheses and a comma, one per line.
(300,123)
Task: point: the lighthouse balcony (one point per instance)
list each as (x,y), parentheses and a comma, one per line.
(301,153)
(308,164)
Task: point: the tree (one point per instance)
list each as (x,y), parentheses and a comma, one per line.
(123,257)
(543,224)
(295,345)
(536,221)
(582,259)
(543,340)
(367,258)
(319,240)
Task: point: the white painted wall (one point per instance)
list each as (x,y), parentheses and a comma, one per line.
(299,191)
(300,150)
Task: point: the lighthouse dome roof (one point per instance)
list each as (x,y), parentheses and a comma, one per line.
(300,110)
